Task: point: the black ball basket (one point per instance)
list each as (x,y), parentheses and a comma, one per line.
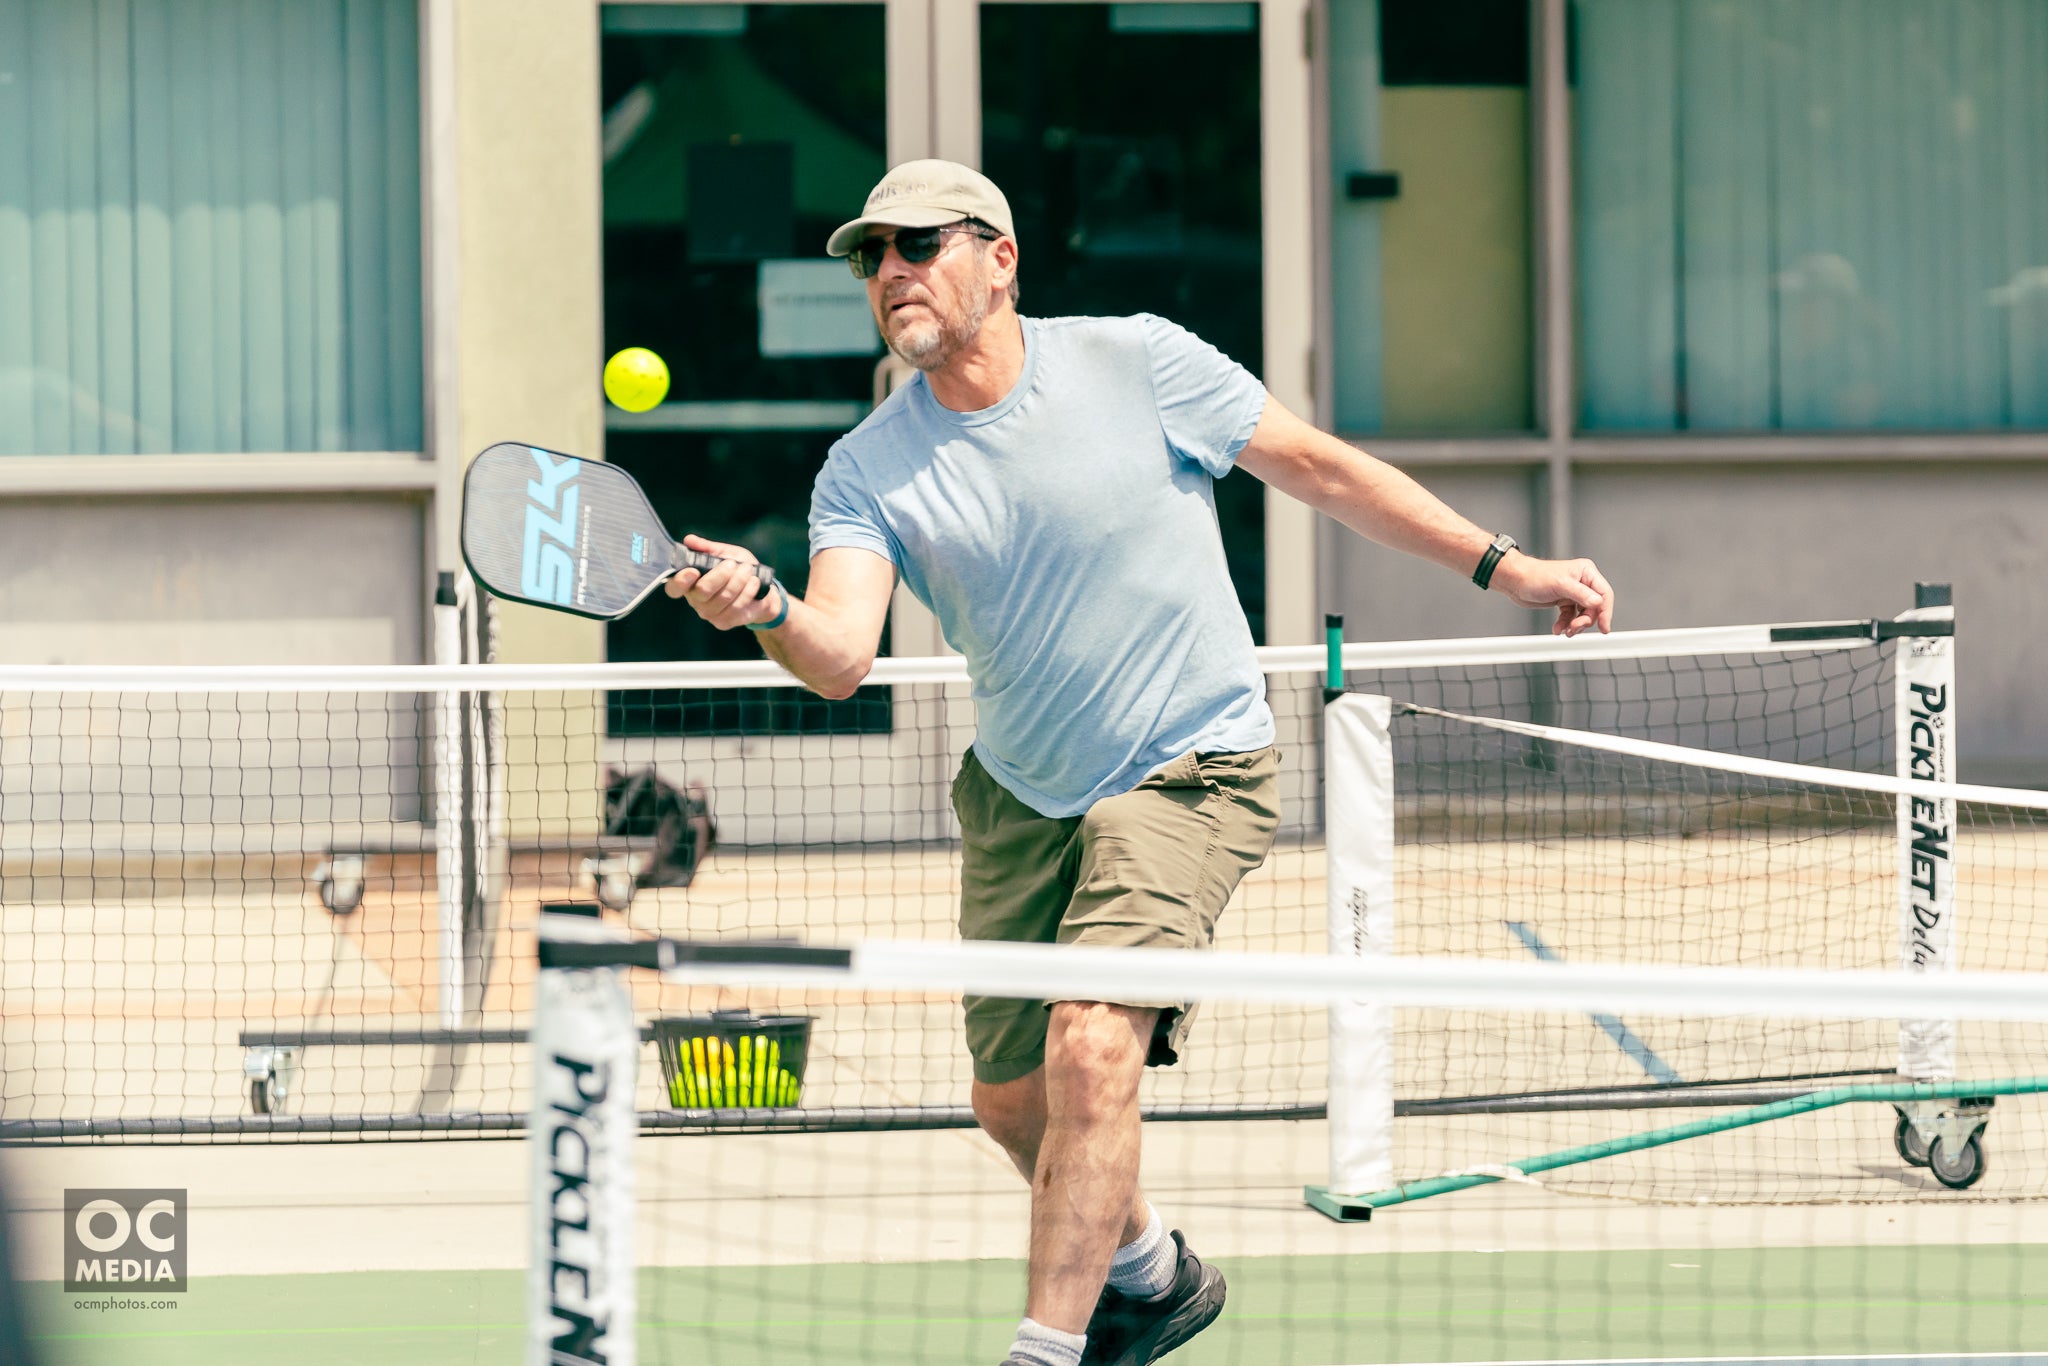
(734,1060)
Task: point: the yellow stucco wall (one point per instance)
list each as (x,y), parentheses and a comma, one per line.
(530,333)
(1455,259)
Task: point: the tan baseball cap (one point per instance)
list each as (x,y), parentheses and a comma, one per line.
(925,194)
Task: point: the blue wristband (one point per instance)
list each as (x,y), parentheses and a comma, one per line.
(780,617)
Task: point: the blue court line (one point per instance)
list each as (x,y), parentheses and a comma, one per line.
(1626,1039)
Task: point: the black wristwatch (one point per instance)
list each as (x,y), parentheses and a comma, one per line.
(1495,553)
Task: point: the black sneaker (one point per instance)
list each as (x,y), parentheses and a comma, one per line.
(1128,1332)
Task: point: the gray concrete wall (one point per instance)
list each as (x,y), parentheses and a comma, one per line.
(1797,542)
(1714,544)
(119,580)
(1388,596)
(216,580)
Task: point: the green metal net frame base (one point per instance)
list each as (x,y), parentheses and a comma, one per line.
(1973,1098)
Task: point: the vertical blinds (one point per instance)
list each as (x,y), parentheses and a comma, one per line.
(209,226)
(1813,214)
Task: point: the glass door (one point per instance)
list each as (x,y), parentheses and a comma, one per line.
(1429,228)
(1127,139)
(736,137)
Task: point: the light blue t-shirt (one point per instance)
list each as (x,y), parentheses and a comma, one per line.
(1066,540)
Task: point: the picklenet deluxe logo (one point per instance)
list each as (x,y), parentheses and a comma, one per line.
(578,1171)
(119,1239)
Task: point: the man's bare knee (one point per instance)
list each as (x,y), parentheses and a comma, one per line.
(1094,1034)
(1013,1114)
(1095,1053)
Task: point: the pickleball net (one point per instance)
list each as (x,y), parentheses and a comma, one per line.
(752,1241)
(1490,839)
(270,904)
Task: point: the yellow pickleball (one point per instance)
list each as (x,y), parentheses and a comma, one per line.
(636,379)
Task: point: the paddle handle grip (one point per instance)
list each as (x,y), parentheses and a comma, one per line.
(703,563)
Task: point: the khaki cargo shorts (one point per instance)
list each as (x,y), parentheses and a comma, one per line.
(1148,868)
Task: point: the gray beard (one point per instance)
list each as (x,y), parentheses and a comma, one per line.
(934,347)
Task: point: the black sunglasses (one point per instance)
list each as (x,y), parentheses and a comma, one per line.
(915,245)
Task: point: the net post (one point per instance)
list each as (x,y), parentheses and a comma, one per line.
(495,836)
(581,1296)
(1333,666)
(482,874)
(1924,730)
(448,784)
(1358,764)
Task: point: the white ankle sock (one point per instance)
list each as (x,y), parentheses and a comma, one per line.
(1143,1268)
(1043,1346)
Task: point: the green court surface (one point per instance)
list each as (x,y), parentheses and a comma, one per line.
(1284,1311)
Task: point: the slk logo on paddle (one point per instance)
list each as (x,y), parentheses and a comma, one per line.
(124,1238)
(545,570)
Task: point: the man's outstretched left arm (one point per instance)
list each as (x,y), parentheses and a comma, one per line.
(1381,503)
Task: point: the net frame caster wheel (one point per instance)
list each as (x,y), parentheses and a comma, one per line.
(1957,1168)
(339,880)
(271,1074)
(1907,1140)
(1953,1125)
(614,878)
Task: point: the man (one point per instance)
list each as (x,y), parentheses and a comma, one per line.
(1044,486)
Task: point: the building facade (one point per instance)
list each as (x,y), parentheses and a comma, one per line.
(1748,299)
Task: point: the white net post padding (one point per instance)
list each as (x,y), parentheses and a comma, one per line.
(581,1295)
(448,785)
(1359,792)
(1924,710)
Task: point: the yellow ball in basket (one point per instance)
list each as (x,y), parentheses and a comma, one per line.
(635,379)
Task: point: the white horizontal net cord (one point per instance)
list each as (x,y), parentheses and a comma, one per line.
(1070,971)
(2031,799)
(1273,660)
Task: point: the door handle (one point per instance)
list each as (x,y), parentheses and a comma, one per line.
(1372,185)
